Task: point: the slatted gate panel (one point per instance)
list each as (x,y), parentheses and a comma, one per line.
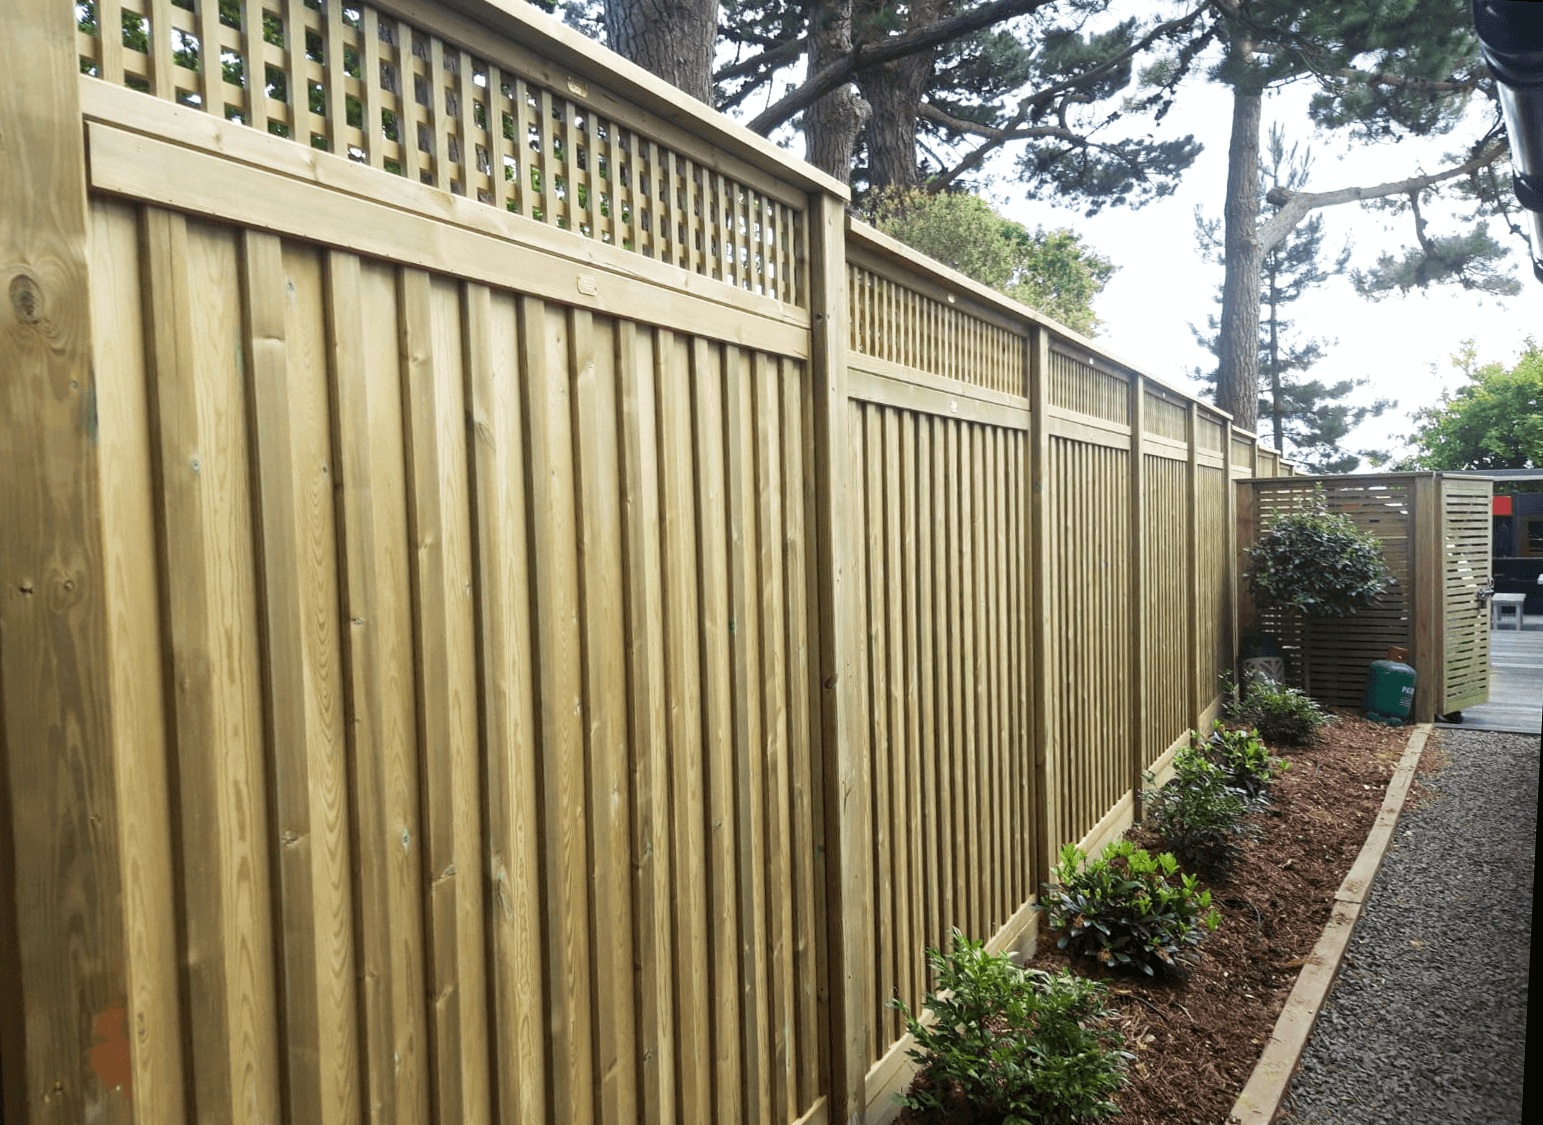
(941,559)
(1467,528)
(1327,656)
(466,695)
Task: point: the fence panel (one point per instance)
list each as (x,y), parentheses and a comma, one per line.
(1088,625)
(1170,620)
(453,738)
(1214,618)
(943,571)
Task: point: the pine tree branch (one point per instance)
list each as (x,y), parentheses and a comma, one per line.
(779,54)
(1294,206)
(888,50)
(1413,85)
(998,137)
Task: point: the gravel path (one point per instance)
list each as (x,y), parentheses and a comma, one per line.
(1428,1020)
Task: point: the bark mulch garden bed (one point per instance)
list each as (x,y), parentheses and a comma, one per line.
(1196,1041)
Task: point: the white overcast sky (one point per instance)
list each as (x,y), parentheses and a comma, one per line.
(1402,344)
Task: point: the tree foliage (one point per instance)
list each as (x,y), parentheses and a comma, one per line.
(1494,420)
(1052,271)
(1317,563)
(921,93)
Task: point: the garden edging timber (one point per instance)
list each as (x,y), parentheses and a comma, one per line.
(1261,1097)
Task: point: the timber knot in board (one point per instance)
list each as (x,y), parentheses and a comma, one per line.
(26,298)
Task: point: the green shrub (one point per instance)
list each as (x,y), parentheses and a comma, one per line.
(1282,716)
(1316,563)
(1199,814)
(1126,909)
(1029,1045)
(1247,761)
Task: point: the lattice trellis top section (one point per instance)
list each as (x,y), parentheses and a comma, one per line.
(894,322)
(1077,385)
(359,82)
(1165,416)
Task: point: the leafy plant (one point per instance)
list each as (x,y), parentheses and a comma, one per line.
(1317,563)
(1282,716)
(1199,814)
(1247,761)
(1129,909)
(1029,1045)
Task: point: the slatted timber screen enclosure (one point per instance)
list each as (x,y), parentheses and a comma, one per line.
(1435,534)
(514,606)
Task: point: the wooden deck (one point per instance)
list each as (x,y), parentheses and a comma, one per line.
(1516,681)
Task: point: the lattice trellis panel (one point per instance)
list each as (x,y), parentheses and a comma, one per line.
(1076,385)
(359,82)
(894,322)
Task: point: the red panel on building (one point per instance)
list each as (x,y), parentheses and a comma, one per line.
(1502,505)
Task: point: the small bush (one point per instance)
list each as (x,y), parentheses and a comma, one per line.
(1283,716)
(1029,1045)
(1126,909)
(1247,761)
(1199,814)
(1316,563)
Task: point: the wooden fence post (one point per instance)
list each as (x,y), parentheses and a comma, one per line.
(1192,560)
(1045,756)
(849,894)
(1426,599)
(1138,588)
(63,980)
(1234,549)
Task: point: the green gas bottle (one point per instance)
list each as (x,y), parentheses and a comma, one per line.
(1389,689)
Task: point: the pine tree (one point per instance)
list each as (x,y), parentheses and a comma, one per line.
(1308,419)
(1383,70)
(922,93)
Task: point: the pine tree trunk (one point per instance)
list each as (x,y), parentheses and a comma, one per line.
(895,92)
(1277,421)
(832,124)
(671,38)
(1237,388)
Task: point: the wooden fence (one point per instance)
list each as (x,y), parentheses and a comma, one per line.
(512,607)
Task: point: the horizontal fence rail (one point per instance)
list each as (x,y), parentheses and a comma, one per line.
(545,618)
